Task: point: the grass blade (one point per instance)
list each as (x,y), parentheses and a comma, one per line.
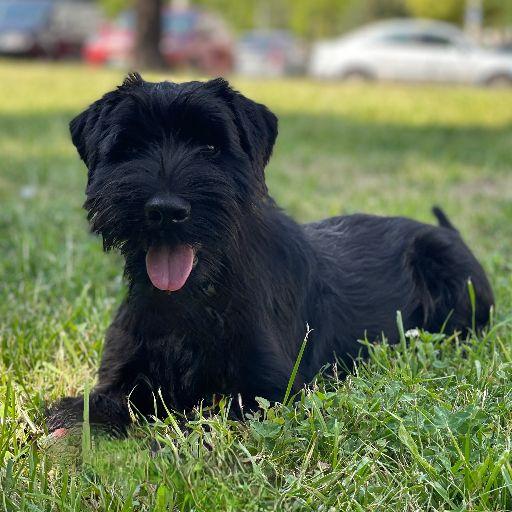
(296,366)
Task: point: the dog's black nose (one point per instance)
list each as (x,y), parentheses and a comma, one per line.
(168,208)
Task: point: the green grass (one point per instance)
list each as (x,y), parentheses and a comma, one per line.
(423,428)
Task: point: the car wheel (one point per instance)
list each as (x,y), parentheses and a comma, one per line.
(358,75)
(501,80)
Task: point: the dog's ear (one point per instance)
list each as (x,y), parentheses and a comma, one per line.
(257,127)
(256,124)
(81,133)
(90,130)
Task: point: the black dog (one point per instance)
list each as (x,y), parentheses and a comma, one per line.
(221,282)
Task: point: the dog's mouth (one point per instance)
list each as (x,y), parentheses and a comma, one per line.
(168,268)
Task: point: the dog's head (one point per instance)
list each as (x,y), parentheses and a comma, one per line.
(173,168)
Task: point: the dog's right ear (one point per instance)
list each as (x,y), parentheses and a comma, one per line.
(83,133)
(90,130)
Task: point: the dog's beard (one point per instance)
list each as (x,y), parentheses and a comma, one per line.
(174,256)
(116,211)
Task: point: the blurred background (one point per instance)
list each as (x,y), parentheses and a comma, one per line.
(461,41)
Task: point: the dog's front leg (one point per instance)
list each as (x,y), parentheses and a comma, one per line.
(121,366)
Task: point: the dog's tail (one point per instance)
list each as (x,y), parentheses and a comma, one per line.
(443,220)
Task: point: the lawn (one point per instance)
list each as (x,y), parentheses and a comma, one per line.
(426,427)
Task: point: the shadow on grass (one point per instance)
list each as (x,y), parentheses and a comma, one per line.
(472,145)
(307,134)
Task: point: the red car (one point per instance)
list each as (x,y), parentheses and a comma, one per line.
(191,38)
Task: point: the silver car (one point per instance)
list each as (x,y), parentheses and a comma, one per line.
(411,51)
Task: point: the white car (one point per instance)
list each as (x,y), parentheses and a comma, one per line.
(412,51)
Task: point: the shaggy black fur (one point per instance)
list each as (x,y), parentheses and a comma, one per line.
(198,151)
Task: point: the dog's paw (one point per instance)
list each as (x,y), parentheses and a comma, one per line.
(105,414)
(63,415)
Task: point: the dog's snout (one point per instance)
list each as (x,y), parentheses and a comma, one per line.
(162,209)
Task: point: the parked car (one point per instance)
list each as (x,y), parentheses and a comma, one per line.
(412,51)
(506,47)
(47,28)
(191,38)
(270,53)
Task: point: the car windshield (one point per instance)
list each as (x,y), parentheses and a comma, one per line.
(23,14)
(178,23)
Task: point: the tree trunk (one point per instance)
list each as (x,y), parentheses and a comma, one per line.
(148,33)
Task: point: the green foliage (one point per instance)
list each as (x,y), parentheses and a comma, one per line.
(498,12)
(240,15)
(448,10)
(114,7)
(311,20)
(421,426)
(327,18)
(495,12)
(305,18)
(321,18)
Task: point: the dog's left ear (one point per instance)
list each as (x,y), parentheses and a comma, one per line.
(257,125)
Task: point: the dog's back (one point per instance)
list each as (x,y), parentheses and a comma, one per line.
(375,266)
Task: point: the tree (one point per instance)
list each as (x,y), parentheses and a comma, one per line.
(148,32)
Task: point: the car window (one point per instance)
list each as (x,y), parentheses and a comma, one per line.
(397,38)
(417,38)
(126,20)
(24,14)
(179,23)
(434,40)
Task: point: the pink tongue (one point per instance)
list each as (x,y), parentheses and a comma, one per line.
(169,268)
